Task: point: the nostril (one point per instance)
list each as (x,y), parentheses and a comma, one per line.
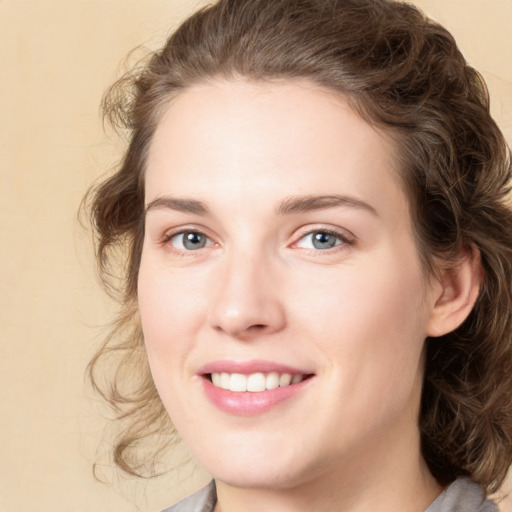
(257,327)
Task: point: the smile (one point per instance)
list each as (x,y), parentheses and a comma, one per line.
(254,382)
(254,387)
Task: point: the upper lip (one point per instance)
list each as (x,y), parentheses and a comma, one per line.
(249,367)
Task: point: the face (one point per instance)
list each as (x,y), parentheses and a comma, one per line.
(282,300)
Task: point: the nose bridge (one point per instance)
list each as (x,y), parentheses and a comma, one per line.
(247,299)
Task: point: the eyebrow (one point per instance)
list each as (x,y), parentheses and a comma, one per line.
(291,205)
(300,204)
(180,205)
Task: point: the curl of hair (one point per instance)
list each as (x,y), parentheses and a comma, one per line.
(404,73)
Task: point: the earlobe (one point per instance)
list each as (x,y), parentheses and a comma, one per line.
(459,288)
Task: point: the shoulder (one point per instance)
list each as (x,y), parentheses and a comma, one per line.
(203,500)
(463,495)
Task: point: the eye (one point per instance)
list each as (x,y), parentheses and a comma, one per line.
(320,240)
(189,241)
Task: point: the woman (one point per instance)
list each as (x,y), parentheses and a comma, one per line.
(318,277)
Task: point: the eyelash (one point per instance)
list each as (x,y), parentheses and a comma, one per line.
(344,238)
(168,237)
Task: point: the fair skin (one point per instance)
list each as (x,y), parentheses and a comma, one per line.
(278,241)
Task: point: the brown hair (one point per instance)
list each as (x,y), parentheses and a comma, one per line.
(400,71)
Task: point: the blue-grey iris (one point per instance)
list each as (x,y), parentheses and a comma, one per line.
(323,240)
(193,240)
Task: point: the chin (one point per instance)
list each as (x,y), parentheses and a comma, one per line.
(257,467)
(257,477)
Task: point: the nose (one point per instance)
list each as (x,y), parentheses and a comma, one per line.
(248,299)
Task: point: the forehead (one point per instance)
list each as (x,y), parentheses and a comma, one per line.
(259,139)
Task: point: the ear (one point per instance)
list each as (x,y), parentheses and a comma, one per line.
(455,294)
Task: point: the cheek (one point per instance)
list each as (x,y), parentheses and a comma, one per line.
(371,321)
(382,296)
(169,311)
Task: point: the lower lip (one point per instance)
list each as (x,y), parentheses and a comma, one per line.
(248,403)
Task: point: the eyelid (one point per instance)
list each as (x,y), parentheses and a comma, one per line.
(168,235)
(348,238)
(344,235)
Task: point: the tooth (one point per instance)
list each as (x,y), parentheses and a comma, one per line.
(238,382)
(224,380)
(285,379)
(272,381)
(296,379)
(256,382)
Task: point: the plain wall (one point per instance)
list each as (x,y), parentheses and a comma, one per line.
(57,57)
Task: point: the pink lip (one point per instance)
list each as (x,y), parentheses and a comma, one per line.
(249,403)
(248,367)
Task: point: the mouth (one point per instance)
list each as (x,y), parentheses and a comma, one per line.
(254,382)
(253,387)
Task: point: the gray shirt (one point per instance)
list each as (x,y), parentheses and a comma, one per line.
(461,496)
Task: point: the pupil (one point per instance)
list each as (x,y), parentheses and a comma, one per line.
(323,241)
(194,241)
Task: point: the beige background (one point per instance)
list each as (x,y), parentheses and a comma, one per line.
(56,59)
